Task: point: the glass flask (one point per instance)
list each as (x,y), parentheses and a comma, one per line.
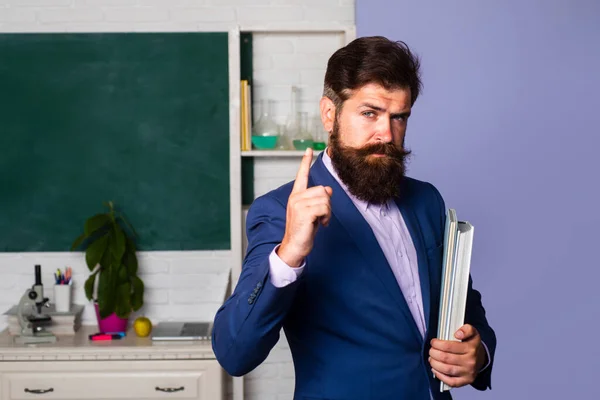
(265,132)
(303,138)
(291,124)
(320,134)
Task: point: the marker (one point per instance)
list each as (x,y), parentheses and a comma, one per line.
(107,336)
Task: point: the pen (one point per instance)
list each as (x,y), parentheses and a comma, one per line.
(107,336)
(63,279)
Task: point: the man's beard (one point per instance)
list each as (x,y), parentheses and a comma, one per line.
(369,178)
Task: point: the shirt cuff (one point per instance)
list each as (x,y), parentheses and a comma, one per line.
(280,273)
(489,359)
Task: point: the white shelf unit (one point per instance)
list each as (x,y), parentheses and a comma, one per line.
(346,35)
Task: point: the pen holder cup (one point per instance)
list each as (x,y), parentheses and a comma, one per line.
(62,298)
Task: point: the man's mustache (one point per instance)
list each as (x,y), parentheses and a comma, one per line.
(389,149)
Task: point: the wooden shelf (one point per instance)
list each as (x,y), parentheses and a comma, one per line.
(276,153)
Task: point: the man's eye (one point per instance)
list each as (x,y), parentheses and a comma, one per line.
(368,114)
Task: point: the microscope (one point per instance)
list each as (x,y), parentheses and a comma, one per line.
(30,316)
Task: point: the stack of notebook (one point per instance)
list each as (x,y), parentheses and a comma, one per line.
(458,241)
(62,323)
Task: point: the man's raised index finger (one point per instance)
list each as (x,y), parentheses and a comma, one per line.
(301,182)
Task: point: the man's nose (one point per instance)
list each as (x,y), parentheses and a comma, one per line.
(384,131)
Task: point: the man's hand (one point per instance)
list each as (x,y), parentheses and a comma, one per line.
(306,208)
(458,363)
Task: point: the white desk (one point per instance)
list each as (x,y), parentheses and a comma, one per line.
(130,368)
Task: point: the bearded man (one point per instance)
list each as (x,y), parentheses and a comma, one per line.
(347,258)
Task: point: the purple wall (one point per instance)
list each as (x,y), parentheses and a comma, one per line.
(508,130)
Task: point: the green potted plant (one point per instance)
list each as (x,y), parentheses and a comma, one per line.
(110,254)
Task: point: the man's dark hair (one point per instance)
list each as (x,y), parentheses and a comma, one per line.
(367,60)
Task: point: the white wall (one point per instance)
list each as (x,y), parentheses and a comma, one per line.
(178,284)
(192,284)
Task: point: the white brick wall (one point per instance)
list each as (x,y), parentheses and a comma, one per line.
(192,284)
(178,284)
(286,59)
(143,15)
(271,172)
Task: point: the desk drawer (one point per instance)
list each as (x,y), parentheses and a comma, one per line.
(144,385)
(138,381)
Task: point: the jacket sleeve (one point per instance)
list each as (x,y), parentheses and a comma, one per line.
(247,325)
(475,315)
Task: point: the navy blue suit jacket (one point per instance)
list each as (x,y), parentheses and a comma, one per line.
(349,328)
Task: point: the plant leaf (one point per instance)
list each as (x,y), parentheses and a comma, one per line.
(95,223)
(106,293)
(130,258)
(77,242)
(105,261)
(95,251)
(122,218)
(123,306)
(119,244)
(137,294)
(131,244)
(89,286)
(122,274)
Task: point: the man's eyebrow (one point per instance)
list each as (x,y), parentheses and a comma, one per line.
(374,107)
(401,114)
(381,109)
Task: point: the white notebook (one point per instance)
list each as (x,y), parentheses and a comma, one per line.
(458,244)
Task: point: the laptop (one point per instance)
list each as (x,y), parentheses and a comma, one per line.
(182,331)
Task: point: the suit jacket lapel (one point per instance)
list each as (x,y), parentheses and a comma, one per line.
(412,223)
(345,212)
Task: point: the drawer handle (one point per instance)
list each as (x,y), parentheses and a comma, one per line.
(170,390)
(39,391)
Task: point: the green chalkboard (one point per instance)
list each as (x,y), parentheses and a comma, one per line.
(141,119)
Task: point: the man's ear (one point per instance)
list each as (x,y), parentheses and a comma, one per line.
(327,113)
